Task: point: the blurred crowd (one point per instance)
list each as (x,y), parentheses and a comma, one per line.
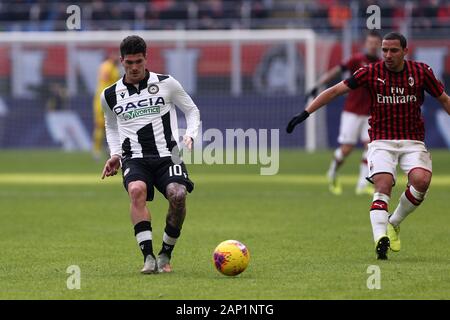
(425,14)
(214,14)
(134,14)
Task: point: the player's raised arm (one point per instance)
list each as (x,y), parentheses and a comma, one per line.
(444,99)
(327,96)
(322,99)
(359,78)
(324,79)
(183,101)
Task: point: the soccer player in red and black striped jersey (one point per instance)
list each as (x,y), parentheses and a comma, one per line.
(397,88)
(354,118)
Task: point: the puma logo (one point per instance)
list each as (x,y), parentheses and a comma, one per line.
(381,80)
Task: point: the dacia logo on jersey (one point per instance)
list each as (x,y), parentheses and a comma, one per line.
(139,108)
(151,102)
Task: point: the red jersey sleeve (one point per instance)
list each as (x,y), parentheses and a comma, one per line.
(432,85)
(348,65)
(358,79)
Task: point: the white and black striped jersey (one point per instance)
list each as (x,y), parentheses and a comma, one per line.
(141,120)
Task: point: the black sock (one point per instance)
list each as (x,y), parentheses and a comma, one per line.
(143,233)
(170,237)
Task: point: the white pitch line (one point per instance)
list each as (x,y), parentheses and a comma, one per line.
(94,179)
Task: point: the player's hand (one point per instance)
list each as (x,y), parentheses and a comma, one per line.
(112,165)
(188,142)
(311,93)
(298,118)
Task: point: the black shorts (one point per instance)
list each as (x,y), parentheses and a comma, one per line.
(155,173)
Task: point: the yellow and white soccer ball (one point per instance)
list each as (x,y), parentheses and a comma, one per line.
(231,257)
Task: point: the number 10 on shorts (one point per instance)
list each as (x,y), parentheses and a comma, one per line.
(176,170)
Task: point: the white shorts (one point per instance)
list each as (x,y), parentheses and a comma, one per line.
(384,155)
(353,128)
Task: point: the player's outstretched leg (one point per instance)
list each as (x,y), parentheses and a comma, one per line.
(340,154)
(418,183)
(140,217)
(379,214)
(176,194)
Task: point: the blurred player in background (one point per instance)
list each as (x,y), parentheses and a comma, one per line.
(396,133)
(142,132)
(355,116)
(108,73)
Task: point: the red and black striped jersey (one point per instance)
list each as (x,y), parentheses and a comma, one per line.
(396,98)
(356,101)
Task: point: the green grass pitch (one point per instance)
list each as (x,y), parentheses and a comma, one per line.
(304,243)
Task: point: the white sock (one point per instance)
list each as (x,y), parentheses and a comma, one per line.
(379,220)
(379,215)
(338,158)
(409,201)
(169,240)
(143,236)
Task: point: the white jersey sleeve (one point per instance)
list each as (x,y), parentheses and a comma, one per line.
(111,128)
(184,102)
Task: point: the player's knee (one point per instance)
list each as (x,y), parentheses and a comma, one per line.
(420,180)
(176,194)
(137,191)
(421,184)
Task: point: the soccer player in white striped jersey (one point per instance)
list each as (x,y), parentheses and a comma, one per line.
(142,132)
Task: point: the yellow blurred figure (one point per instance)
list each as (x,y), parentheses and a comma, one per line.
(108,74)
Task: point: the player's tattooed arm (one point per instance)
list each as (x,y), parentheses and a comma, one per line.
(444,99)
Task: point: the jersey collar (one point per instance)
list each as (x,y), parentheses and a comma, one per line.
(153,78)
(142,84)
